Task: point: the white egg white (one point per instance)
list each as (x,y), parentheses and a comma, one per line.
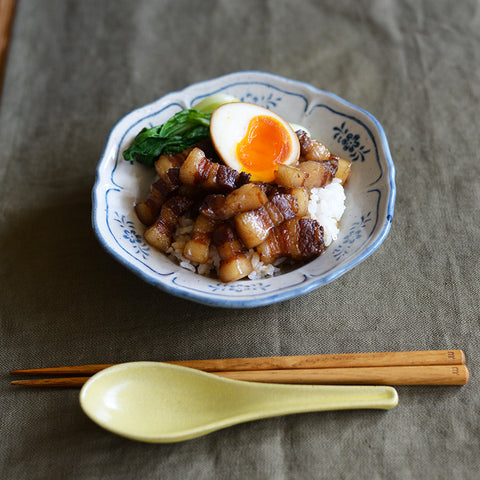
(229,125)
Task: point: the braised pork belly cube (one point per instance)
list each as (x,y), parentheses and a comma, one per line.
(166,162)
(290,176)
(344,169)
(299,239)
(160,234)
(234,264)
(254,226)
(197,249)
(311,149)
(319,173)
(302,197)
(148,210)
(199,171)
(245,198)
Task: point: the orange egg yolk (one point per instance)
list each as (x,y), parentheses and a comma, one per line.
(265,145)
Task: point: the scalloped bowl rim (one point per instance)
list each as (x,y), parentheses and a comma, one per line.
(288,291)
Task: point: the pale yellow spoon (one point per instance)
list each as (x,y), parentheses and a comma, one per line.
(160,403)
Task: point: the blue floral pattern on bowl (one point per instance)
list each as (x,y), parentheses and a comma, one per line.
(237,287)
(138,245)
(350,143)
(348,131)
(355,232)
(267,101)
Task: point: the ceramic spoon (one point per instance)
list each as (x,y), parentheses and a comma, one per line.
(160,403)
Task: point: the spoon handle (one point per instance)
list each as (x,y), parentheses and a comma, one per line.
(275,399)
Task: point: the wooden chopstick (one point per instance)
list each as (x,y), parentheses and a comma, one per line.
(333,360)
(73,382)
(432,367)
(416,375)
(7,11)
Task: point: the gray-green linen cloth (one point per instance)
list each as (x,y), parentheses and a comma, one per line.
(74,69)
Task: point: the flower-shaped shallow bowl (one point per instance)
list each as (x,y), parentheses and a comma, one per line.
(348,131)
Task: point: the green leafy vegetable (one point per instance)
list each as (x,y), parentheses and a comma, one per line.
(210,103)
(184,130)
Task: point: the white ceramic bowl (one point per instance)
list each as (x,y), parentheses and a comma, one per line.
(347,130)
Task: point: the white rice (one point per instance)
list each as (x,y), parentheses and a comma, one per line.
(260,269)
(326,205)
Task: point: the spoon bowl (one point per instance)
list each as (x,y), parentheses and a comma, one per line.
(161,403)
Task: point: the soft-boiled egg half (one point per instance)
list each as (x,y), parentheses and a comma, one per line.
(253,139)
